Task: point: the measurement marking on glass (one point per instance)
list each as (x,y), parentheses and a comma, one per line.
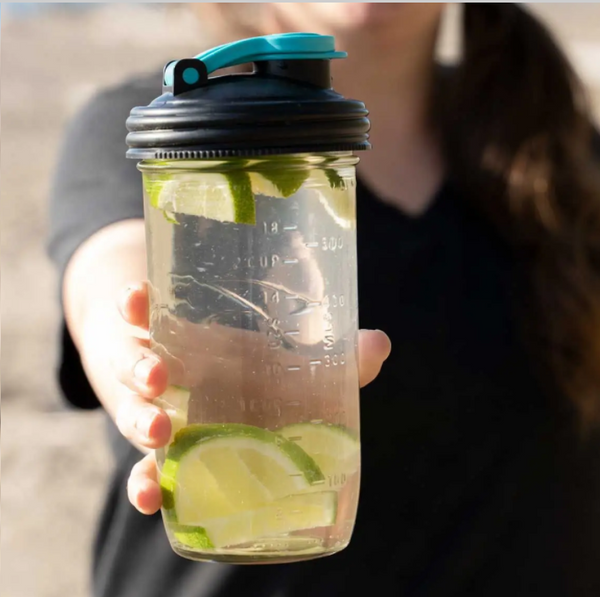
(314,304)
(316,362)
(296,438)
(290,261)
(293,403)
(317,421)
(293,368)
(292,333)
(290,227)
(312,245)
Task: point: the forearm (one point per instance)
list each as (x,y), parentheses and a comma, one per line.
(97,274)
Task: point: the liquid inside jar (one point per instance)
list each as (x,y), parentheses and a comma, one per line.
(254,309)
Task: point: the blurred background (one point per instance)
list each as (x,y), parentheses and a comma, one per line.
(54,460)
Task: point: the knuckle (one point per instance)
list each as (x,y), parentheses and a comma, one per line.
(124,299)
(130,482)
(137,469)
(124,420)
(124,365)
(131,490)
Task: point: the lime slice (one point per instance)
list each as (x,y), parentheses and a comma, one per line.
(340,206)
(334,195)
(154,184)
(229,468)
(334,448)
(292,513)
(224,197)
(335,180)
(281,183)
(263,186)
(175,403)
(192,536)
(199,492)
(175,397)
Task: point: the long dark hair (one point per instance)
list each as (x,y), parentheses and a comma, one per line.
(517,138)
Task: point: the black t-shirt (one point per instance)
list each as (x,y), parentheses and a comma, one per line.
(474,480)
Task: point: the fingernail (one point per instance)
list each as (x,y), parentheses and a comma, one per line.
(145,420)
(142,368)
(124,298)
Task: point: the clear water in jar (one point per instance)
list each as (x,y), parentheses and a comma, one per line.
(258,325)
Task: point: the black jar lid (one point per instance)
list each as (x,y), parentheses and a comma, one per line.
(286,105)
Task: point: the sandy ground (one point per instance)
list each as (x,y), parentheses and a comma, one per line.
(54,460)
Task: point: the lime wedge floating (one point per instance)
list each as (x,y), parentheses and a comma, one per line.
(334,195)
(334,448)
(154,184)
(226,468)
(281,183)
(292,513)
(335,180)
(224,197)
(175,397)
(263,186)
(175,403)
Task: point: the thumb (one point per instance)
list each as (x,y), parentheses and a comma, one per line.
(374,348)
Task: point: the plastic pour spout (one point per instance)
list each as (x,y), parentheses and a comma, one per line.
(190,73)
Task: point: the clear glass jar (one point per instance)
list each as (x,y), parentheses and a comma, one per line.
(252,270)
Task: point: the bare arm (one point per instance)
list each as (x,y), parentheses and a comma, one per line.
(112,349)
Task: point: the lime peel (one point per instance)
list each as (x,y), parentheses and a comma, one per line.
(192,536)
(287,182)
(335,180)
(241,191)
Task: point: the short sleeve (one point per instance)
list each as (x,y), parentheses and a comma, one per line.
(94,186)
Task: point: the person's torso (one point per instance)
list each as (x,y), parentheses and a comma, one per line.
(472,479)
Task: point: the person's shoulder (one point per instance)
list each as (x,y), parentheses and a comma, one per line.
(144,87)
(99,124)
(123,96)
